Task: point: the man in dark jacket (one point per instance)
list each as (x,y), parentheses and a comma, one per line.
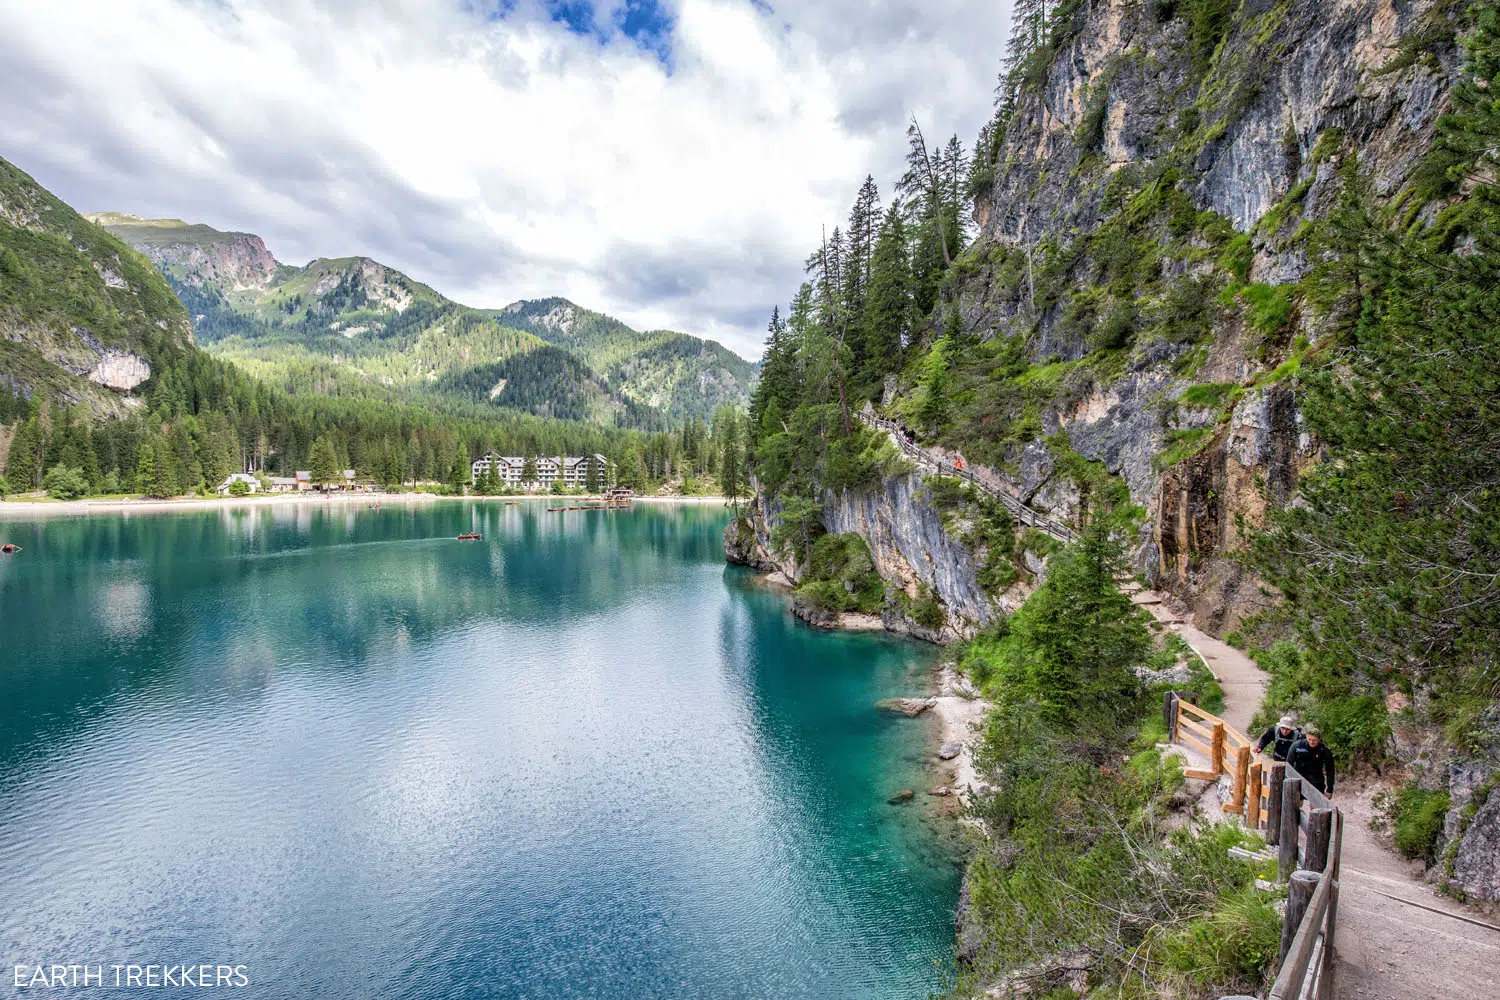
(1279,738)
(1311,759)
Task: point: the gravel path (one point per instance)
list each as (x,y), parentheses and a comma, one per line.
(1397,939)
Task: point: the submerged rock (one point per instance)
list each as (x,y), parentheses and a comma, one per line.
(905,795)
(950,750)
(909,707)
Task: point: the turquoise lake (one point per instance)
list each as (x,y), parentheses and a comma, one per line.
(579,759)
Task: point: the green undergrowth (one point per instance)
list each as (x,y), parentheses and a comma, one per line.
(1351,713)
(840,576)
(1078,853)
(1415,817)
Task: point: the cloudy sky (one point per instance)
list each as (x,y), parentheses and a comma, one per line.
(667,161)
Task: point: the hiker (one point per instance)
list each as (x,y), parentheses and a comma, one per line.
(1311,759)
(1279,738)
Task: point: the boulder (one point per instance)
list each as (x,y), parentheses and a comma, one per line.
(950,750)
(905,795)
(909,707)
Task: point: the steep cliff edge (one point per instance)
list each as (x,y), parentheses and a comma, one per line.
(1184,212)
(1151,202)
(1149,223)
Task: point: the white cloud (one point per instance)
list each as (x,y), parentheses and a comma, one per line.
(498,159)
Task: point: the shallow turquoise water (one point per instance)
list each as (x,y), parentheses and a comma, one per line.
(580,759)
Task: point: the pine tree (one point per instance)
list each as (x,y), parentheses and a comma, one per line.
(933,408)
(1388,562)
(728,437)
(323,463)
(888,306)
(1074,642)
(780,375)
(145,470)
(825,339)
(864,222)
(24,466)
(460,472)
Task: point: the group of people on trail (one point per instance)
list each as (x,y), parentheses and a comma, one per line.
(1303,749)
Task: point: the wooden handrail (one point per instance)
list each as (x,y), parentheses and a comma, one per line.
(1297,817)
(1317,922)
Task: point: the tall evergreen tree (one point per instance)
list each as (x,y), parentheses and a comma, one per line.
(323,463)
(780,375)
(887,318)
(23,467)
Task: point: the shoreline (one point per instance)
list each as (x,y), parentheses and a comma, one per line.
(959,718)
(143,505)
(958,708)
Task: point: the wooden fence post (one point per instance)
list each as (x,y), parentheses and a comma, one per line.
(1241,775)
(1291,814)
(1169,715)
(1252,798)
(1273,803)
(1319,833)
(1304,883)
(1216,750)
(1298,894)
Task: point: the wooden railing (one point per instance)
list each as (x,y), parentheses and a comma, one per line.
(1029,516)
(1297,819)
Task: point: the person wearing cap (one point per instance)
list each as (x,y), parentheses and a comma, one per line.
(1311,759)
(1279,738)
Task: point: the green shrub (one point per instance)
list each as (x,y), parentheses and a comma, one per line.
(1270,307)
(65,483)
(926,610)
(1354,727)
(1415,817)
(1235,639)
(841,576)
(4,487)
(239,488)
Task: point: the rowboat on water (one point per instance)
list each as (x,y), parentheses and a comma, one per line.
(10,547)
(471,536)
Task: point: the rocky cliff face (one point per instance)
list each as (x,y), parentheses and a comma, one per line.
(239,262)
(918,555)
(1264,133)
(1155,172)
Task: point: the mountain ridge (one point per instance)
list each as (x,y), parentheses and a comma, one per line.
(365,323)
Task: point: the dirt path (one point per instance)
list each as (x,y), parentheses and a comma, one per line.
(1397,938)
(1391,943)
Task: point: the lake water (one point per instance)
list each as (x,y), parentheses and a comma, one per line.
(579,759)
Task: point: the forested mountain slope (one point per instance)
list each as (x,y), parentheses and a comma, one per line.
(352,323)
(681,375)
(102,389)
(82,316)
